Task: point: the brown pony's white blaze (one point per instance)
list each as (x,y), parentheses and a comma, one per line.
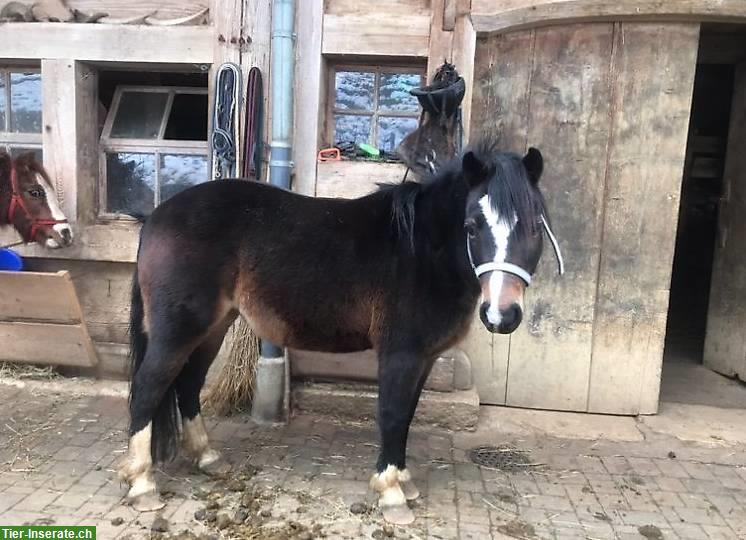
(393,271)
(29,203)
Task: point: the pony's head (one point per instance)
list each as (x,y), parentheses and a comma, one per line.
(505,219)
(28,202)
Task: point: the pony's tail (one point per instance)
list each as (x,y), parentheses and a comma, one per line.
(165,427)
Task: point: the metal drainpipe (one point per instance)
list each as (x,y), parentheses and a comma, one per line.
(272,378)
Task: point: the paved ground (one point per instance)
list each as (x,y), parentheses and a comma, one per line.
(58,447)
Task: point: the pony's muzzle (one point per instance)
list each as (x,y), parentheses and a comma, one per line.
(501,321)
(60,235)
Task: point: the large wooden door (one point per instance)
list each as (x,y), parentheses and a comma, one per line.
(725,341)
(608,105)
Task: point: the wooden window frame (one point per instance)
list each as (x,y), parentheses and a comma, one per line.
(377,70)
(156,147)
(10,139)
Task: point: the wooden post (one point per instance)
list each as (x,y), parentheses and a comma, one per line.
(70,135)
(309,92)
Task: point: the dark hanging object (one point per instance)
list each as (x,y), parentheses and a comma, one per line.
(443,97)
(439,135)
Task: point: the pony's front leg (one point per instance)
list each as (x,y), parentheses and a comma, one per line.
(399,386)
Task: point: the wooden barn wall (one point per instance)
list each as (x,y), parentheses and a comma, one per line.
(163,9)
(608,105)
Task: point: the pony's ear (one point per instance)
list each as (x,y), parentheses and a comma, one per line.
(475,171)
(534,164)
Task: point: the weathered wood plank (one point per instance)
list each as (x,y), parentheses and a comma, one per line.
(550,354)
(725,341)
(37,343)
(70,134)
(103,291)
(500,108)
(107,43)
(41,296)
(309,95)
(391,7)
(378,34)
(351,179)
(652,89)
(489,16)
(440,48)
(464,50)
(115,242)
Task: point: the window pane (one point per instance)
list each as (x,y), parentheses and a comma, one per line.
(188,118)
(16,151)
(393,95)
(354,90)
(3,127)
(130,183)
(139,115)
(392,130)
(351,128)
(25,102)
(179,172)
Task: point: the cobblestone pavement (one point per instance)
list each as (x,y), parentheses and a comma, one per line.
(58,451)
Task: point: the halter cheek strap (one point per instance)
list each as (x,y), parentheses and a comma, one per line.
(16,202)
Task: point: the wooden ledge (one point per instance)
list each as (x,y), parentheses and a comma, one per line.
(490,17)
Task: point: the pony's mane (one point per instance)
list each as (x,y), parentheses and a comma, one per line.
(510,191)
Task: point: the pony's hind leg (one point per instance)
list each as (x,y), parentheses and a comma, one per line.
(398,388)
(153,422)
(189,383)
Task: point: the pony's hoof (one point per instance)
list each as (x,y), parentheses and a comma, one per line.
(410,490)
(147,502)
(398,514)
(215,467)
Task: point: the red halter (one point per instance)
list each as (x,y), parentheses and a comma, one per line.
(16,201)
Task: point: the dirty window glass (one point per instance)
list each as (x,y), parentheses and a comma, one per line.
(131,183)
(374,106)
(140,115)
(178,172)
(25,102)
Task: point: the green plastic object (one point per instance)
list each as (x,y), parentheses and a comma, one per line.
(369,150)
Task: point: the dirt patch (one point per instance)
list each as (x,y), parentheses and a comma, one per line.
(518,529)
(651,532)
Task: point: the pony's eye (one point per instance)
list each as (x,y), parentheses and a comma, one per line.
(471,227)
(36,192)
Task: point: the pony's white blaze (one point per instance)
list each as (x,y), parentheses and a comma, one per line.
(501,229)
(56,211)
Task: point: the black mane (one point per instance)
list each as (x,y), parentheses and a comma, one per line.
(510,190)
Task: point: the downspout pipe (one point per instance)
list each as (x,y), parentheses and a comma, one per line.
(270,403)
(282,76)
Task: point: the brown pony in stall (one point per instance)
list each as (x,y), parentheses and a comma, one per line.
(28,202)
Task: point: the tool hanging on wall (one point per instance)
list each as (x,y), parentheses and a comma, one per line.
(225,157)
(253,148)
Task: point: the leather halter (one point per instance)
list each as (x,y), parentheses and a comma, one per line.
(514,269)
(16,202)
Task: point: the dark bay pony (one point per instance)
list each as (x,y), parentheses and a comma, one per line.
(28,202)
(398,271)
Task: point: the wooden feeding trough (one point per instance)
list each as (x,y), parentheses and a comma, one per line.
(41,321)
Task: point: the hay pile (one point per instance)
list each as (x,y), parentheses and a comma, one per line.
(233,390)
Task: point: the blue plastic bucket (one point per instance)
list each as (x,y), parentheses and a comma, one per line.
(10,261)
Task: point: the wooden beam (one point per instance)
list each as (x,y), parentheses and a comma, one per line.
(440,48)
(70,134)
(309,95)
(106,42)
(464,52)
(378,34)
(114,242)
(449,15)
(491,17)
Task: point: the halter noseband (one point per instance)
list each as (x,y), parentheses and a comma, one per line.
(16,201)
(514,269)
